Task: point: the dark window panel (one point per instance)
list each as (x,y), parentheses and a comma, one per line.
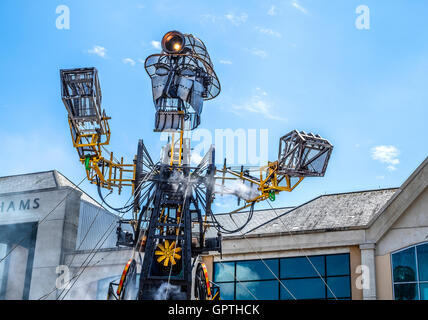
(300,267)
(262,290)
(11,237)
(224,271)
(337,264)
(404,265)
(422,254)
(256,270)
(406,291)
(303,289)
(341,287)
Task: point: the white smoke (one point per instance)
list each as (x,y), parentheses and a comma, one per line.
(166,291)
(80,291)
(239,189)
(232,187)
(177,178)
(195,158)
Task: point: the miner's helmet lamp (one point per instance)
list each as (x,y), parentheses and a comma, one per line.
(173,42)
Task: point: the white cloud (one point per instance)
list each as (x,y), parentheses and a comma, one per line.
(237,19)
(269,32)
(272,11)
(99,51)
(156,44)
(225,62)
(386,154)
(259,105)
(209,17)
(258,52)
(296,5)
(262,92)
(129,61)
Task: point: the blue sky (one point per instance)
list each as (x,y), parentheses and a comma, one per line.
(282,65)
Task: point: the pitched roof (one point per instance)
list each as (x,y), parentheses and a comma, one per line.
(39,181)
(27,182)
(414,185)
(235,220)
(353,210)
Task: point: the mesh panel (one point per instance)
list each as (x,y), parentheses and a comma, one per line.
(80,92)
(303,154)
(196,58)
(318,164)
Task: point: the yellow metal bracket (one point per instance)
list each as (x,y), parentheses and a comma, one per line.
(107,171)
(270,182)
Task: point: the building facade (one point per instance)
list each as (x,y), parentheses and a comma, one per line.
(359,245)
(43,218)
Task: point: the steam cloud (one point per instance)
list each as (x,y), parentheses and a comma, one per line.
(239,189)
(166,291)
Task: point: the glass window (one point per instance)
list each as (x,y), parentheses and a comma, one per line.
(410,273)
(254,280)
(424,291)
(3,273)
(302,268)
(16,271)
(340,286)
(422,254)
(337,264)
(404,265)
(303,289)
(262,290)
(224,271)
(227,290)
(405,291)
(257,270)
(16,284)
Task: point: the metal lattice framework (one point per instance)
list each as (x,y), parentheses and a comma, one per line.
(172,199)
(181,81)
(90,130)
(172,221)
(194,56)
(82,97)
(303,154)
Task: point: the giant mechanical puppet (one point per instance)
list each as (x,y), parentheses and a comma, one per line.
(172,199)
